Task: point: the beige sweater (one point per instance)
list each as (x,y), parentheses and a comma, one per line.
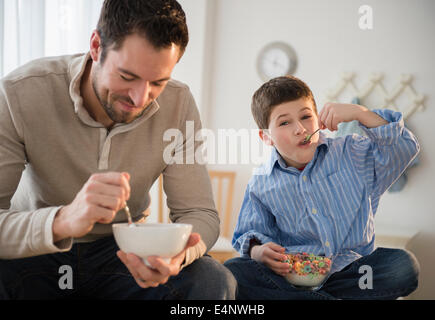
(50,146)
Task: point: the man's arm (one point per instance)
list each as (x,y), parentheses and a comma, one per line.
(188,187)
(50,229)
(23,233)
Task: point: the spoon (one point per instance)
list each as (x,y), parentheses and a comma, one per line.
(308,137)
(127,211)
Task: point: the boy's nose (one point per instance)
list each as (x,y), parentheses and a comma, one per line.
(300,129)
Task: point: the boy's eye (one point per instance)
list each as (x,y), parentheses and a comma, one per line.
(306,117)
(284,123)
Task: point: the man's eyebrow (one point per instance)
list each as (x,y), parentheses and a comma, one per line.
(137,77)
(129,73)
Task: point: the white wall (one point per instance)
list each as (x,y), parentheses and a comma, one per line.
(190,67)
(328,41)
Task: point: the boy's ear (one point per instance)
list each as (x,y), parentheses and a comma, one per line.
(265,136)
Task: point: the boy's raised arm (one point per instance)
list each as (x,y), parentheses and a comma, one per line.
(332,114)
(386,153)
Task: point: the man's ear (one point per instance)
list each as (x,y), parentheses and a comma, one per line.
(95,46)
(265,136)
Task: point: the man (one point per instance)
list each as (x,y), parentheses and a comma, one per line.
(79,137)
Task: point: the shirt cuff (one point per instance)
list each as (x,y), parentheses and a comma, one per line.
(47,235)
(389,133)
(243,243)
(194,253)
(253,242)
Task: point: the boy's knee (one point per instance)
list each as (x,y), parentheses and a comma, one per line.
(408,266)
(404,263)
(404,269)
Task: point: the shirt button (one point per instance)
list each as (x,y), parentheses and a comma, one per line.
(305,178)
(327,244)
(314,211)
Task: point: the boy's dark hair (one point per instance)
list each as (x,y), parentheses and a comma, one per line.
(162,22)
(277,91)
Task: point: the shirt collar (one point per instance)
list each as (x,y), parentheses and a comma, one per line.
(276,157)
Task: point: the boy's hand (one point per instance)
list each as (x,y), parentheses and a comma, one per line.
(334,113)
(271,255)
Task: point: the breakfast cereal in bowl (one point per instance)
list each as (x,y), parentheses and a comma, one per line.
(307,270)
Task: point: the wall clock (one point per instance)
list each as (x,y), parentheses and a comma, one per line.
(276,59)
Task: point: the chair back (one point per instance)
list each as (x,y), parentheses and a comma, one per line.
(223,189)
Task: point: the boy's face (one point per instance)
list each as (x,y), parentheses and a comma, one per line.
(289,124)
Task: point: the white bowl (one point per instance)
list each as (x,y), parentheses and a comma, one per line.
(306,281)
(307,270)
(152,239)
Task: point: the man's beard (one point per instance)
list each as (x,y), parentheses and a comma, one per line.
(117,117)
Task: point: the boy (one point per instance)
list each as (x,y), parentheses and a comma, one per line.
(320,197)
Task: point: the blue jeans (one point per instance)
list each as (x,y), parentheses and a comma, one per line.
(394,274)
(97,273)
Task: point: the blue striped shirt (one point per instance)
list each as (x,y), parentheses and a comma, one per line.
(329,207)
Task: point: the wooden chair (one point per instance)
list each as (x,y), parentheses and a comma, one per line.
(223,189)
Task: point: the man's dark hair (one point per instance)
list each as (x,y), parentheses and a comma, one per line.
(277,91)
(162,22)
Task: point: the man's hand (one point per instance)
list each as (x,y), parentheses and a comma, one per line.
(271,255)
(161,271)
(102,196)
(332,114)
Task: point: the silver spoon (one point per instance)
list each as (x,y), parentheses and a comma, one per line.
(127,211)
(308,137)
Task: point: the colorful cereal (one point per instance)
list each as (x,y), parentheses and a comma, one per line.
(304,264)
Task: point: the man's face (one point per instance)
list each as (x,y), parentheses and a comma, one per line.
(289,124)
(131,77)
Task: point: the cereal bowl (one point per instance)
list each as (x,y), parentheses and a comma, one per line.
(152,239)
(307,270)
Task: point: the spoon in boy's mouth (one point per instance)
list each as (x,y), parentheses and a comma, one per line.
(308,137)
